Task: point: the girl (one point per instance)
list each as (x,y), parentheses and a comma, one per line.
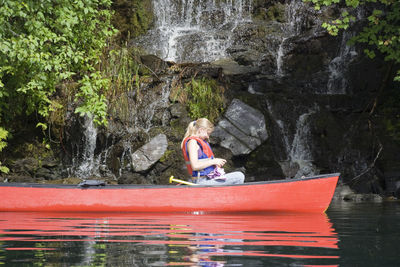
(204,168)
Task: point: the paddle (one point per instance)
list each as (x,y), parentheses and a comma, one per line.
(172,179)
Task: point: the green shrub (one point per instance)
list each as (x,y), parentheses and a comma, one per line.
(203,98)
(47,43)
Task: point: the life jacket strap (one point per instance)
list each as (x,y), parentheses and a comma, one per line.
(199,171)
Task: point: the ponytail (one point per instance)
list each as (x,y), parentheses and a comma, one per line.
(190,130)
(194,126)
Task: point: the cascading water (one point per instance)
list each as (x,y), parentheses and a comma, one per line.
(297,145)
(279,58)
(337,82)
(85,164)
(300,150)
(291,28)
(195,31)
(144,113)
(91,162)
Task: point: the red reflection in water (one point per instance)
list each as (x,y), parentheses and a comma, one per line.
(204,235)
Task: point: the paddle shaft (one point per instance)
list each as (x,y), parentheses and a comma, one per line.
(172,179)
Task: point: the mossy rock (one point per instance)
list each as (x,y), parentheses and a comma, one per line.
(132,18)
(274,12)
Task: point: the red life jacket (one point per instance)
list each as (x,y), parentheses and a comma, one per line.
(206,149)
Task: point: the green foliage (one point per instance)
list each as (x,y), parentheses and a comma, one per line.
(3,144)
(46,43)
(94,103)
(382,32)
(122,68)
(203,98)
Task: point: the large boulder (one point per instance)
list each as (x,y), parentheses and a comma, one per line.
(242,128)
(150,153)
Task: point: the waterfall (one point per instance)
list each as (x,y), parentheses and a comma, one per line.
(279,58)
(91,161)
(195,31)
(297,145)
(295,15)
(84,163)
(146,110)
(295,20)
(300,150)
(338,67)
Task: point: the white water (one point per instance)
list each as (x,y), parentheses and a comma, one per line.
(279,58)
(298,150)
(295,16)
(197,31)
(85,164)
(88,164)
(291,28)
(144,113)
(337,82)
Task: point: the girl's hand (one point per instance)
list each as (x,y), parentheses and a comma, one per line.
(219,162)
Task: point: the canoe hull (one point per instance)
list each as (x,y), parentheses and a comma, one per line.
(312,194)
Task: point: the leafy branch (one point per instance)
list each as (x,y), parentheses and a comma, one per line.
(44,44)
(382,32)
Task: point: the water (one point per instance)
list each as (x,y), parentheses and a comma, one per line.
(338,67)
(91,161)
(195,31)
(295,17)
(297,145)
(85,163)
(350,234)
(300,151)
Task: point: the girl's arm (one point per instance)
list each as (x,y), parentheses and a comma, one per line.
(197,164)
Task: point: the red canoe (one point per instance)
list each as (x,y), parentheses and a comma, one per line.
(311,194)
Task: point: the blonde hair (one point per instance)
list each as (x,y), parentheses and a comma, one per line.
(194,126)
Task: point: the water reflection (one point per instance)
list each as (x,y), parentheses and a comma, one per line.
(167,239)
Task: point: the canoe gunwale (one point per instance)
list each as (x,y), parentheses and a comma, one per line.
(133,186)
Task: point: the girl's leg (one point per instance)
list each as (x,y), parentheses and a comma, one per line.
(230,178)
(235,178)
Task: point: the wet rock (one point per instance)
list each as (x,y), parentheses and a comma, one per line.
(46,174)
(178,110)
(131,178)
(25,166)
(69,180)
(19,179)
(154,63)
(397,192)
(150,153)
(363,197)
(342,192)
(392,182)
(242,128)
(231,67)
(49,163)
